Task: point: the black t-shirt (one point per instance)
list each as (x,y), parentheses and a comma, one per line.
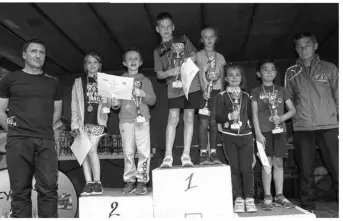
(31,103)
(91,97)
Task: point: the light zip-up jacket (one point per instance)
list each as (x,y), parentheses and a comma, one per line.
(314,94)
(78,107)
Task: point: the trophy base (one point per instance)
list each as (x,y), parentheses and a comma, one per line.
(277,131)
(105,110)
(140,119)
(204,111)
(177,84)
(235,126)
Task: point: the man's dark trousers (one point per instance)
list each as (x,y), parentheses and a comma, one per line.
(27,157)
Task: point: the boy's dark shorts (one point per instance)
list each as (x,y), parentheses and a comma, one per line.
(193,101)
(276,144)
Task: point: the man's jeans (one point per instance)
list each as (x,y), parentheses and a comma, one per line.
(27,157)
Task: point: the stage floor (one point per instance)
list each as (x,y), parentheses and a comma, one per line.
(324,209)
(296,212)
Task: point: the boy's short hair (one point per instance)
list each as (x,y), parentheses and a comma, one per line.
(263,61)
(163,16)
(135,49)
(35,41)
(243,84)
(304,35)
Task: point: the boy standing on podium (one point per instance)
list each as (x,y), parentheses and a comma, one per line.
(168,57)
(134,125)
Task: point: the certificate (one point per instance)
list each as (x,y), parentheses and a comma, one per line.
(112,86)
(81,146)
(188,72)
(263,157)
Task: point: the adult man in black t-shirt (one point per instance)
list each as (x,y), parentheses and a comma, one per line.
(34,101)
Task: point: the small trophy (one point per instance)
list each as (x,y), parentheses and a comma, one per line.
(178,50)
(273,104)
(212,78)
(105,109)
(138,100)
(236,106)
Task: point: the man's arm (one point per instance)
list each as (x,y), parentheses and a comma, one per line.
(57,111)
(334,86)
(3,115)
(288,85)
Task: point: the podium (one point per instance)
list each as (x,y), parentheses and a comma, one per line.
(193,192)
(113,204)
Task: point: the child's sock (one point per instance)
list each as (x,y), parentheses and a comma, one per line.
(97,181)
(213,151)
(278,195)
(185,153)
(203,151)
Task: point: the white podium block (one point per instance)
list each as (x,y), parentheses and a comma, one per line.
(193,192)
(114,204)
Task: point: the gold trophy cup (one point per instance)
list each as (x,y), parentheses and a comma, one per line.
(138,100)
(273,104)
(178,49)
(236,95)
(212,78)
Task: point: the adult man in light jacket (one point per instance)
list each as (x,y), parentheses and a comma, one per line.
(313,86)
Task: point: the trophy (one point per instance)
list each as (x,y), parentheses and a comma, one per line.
(178,51)
(138,100)
(236,106)
(212,78)
(105,105)
(273,103)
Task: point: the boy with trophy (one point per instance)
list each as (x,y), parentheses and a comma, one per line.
(211,64)
(134,125)
(268,117)
(168,58)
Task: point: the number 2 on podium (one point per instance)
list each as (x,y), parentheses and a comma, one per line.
(114,206)
(190,182)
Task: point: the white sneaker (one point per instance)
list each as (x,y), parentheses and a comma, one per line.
(167,162)
(250,205)
(239,205)
(186,161)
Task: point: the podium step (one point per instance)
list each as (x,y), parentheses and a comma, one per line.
(193,192)
(112,203)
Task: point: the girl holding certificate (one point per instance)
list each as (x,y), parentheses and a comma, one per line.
(89,117)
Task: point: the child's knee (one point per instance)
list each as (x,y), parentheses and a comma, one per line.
(188,117)
(173,119)
(278,162)
(92,151)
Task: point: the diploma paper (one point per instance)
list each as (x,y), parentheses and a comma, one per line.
(81,146)
(113,86)
(3,139)
(188,72)
(263,157)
